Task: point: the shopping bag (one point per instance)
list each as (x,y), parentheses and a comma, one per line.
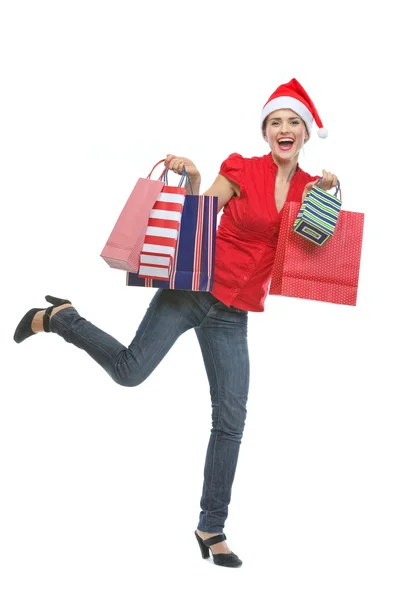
(161,234)
(329,273)
(318,215)
(123,247)
(192,266)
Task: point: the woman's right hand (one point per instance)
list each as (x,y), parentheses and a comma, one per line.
(176,164)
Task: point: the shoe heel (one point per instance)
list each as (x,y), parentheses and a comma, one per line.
(205,551)
(24,328)
(56,301)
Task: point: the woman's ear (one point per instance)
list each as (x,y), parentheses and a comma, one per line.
(264,129)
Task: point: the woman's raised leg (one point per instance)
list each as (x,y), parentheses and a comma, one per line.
(170,314)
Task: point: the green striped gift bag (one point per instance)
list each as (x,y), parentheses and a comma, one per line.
(318,215)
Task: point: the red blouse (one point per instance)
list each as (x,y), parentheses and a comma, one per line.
(248,231)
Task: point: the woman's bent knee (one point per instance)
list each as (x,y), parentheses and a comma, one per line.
(128,377)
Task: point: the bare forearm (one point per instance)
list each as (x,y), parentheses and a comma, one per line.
(195,186)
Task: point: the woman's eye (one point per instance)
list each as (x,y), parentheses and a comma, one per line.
(295,122)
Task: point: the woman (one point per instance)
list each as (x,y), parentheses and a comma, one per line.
(252,192)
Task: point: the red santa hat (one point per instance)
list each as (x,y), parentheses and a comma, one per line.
(292,95)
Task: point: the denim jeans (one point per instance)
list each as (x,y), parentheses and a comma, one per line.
(222,334)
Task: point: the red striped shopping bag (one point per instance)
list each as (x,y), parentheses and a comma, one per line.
(161,236)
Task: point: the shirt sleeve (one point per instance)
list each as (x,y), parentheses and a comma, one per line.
(233,169)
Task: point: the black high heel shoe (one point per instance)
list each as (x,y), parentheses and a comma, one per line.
(223,560)
(24,328)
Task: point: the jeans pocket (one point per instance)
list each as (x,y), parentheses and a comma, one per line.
(237,310)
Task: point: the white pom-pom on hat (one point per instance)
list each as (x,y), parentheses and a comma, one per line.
(292,95)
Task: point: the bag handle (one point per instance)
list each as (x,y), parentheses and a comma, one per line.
(164,176)
(156,165)
(181,182)
(338,189)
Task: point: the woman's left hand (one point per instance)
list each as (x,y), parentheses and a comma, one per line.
(328,181)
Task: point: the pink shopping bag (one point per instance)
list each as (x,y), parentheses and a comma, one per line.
(125,243)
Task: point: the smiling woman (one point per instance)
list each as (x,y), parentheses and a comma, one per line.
(252,192)
(286,133)
(286,129)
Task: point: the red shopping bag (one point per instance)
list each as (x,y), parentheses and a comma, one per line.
(123,247)
(327,273)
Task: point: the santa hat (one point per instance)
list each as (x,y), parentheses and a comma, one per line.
(292,95)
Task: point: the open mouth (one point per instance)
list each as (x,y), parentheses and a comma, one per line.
(285,143)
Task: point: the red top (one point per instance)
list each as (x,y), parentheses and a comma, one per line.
(248,231)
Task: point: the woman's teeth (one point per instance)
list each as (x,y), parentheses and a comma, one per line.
(285,143)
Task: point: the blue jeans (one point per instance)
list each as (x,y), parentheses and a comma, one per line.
(222,334)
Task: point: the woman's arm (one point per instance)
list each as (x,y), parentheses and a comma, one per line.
(222,187)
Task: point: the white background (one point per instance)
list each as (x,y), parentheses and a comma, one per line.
(100,485)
